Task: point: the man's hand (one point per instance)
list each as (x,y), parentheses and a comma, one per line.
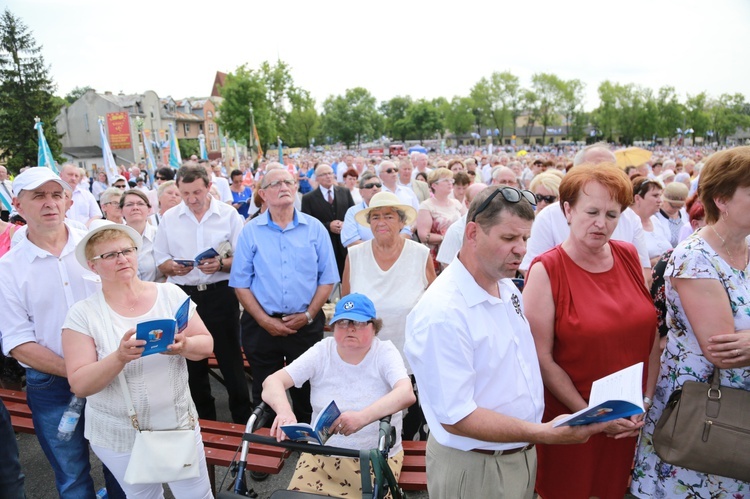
(174,269)
(336,226)
(570,434)
(209,265)
(277,327)
(295,321)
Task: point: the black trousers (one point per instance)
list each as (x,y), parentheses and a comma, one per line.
(267,354)
(220,311)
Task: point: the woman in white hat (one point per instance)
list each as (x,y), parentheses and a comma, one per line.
(393,272)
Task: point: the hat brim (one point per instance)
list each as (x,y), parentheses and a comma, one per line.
(38,183)
(411,213)
(81,246)
(352,316)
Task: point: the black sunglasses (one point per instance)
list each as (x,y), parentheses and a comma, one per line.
(391,170)
(160,178)
(510,194)
(546,199)
(370,186)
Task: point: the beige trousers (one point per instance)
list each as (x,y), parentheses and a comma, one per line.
(452,473)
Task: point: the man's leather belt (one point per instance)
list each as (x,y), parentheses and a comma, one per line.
(505,452)
(203,287)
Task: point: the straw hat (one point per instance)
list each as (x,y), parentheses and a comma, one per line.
(386,200)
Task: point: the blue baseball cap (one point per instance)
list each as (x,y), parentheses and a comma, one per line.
(355,307)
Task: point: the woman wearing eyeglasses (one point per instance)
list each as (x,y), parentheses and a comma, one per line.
(99,343)
(364,376)
(135,209)
(590,315)
(646,204)
(546,189)
(438,212)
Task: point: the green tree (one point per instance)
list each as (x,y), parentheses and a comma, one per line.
(727,113)
(571,104)
(242,89)
(696,114)
(532,106)
(394,114)
(76,94)
(459,118)
(671,114)
(496,98)
(605,116)
(280,91)
(351,117)
(303,122)
(26,91)
(548,88)
(425,119)
(188,147)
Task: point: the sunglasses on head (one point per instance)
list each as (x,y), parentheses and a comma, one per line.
(510,194)
(546,199)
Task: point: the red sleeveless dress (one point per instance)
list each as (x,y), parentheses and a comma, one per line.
(604,322)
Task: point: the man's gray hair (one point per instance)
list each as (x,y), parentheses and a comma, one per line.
(110,193)
(582,156)
(365,177)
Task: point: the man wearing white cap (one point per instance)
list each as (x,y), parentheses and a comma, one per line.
(41,281)
(84,207)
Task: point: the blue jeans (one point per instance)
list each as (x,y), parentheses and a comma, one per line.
(48,397)
(11,477)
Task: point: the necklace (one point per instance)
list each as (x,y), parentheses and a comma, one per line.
(729,254)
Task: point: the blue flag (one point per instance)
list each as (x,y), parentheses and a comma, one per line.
(150,160)
(175,160)
(44,156)
(202,142)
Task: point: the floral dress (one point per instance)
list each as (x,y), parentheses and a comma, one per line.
(682,361)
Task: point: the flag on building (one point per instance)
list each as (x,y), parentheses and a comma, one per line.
(175,160)
(44,156)
(110,167)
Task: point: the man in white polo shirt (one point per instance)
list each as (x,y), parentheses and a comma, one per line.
(473,355)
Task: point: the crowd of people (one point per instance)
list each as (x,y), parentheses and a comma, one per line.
(476,295)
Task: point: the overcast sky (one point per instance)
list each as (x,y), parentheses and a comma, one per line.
(407,47)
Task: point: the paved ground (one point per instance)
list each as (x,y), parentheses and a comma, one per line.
(40,479)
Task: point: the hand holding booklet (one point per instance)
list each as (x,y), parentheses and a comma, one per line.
(317,433)
(159,333)
(190,262)
(616,396)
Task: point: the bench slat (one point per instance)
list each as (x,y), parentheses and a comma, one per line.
(255,462)
(413,463)
(12,395)
(413,480)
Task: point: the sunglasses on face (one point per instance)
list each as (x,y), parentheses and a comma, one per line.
(370,186)
(510,194)
(391,170)
(545,199)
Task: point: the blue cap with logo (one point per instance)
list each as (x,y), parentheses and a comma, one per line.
(355,307)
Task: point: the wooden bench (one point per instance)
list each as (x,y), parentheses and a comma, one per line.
(221,441)
(213,366)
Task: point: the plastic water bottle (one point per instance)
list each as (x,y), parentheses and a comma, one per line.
(102,493)
(70,418)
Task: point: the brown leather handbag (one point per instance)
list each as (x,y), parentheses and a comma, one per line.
(706,427)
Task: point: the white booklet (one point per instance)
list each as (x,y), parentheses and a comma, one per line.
(616,396)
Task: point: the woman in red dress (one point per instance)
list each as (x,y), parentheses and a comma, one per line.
(590,315)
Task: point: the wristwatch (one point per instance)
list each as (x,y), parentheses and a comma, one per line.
(647,401)
(309,317)
(221,264)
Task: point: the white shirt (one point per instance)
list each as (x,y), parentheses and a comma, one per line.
(222,185)
(405,194)
(452,241)
(325,191)
(84,206)
(37,290)
(147,268)
(469,349)
(181,235)
(487,174)
(341,168)
(20,233)
(550,228)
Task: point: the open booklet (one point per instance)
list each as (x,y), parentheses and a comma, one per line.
(190,262)
(317,433)
(618,395)
(159,333)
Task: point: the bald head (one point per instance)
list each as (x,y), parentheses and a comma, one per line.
(324,175)
(473,190)
(594,155)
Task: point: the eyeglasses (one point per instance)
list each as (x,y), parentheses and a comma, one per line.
(346,324)
(546,199)
(108,257)
(510,194)
(469,172)
(448,180)
(111,202)
(119,186)
(371,186)
(391,170)
(277,183)
(160,178)
(131,205)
